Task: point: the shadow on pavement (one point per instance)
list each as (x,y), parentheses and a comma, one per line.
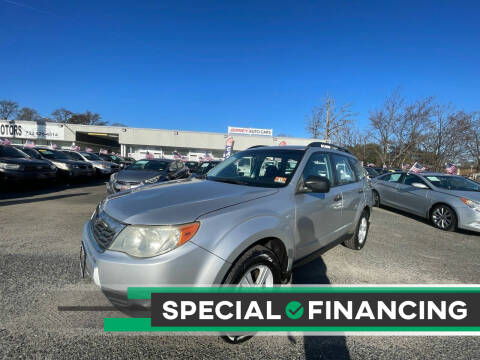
(46,198)
(22,190)
(319,347)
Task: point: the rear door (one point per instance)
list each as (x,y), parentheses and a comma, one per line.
(352,190)
(318,216)
(411,198)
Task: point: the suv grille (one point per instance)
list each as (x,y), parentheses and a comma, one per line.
(105,229)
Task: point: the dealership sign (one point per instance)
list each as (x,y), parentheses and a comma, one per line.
(250,131)
(31,130)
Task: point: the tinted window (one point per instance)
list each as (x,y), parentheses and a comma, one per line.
(180,165)
(31,152)
(11,152)
(394,177)
(411,178)
(74,156)
(319,165)
(343,171)
(91,156)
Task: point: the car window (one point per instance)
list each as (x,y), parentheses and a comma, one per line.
(180,165)
(343,171)
(173,166)
(74,156)
(450,182)
(411,178)
(11,152)
(319,165)
(358,169)
(394,177)
(153,165)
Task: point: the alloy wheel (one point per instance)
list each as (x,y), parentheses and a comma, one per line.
(442,217)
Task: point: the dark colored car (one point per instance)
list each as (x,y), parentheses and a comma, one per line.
(67,167)
(371,172)
(119,160)
(147,172)
(15,165)
(192,165)
(204,168)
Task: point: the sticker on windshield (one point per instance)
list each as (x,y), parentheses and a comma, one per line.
(280,179)
(433,178)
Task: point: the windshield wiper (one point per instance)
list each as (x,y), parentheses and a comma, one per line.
(228,180)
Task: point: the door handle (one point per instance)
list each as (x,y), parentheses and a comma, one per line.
(337,197)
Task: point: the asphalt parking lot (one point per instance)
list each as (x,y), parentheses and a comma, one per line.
(40,234)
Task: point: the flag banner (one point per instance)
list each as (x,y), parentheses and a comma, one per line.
(282,143)
(228,147)
(451,169)
(29,144)
(75,147)
(417,168)
(149,156)
(6,142)
(89,150)
(177,155)
(54,146)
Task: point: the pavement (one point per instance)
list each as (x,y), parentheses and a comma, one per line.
(40,234)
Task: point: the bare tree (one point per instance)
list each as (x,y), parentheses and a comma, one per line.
(472,140)
(400,127)
(8,109)
(445,138)
(329,120)
(62,115)
(28,114)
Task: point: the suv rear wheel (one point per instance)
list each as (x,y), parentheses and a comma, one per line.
(358,240)
(258,266)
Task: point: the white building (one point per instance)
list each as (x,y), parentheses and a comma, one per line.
(135,142)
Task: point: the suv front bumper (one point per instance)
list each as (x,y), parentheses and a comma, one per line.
(114,272)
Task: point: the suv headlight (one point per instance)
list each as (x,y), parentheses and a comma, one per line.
(149,241)
(152,180)
(8,166)
(475,205)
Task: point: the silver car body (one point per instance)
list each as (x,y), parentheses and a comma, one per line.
(232,218)
(101,166)
(395,193)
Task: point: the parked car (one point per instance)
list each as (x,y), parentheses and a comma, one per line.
(119,160)
(147,172)
(100,166)
(66,167)
(448,201)
(235,227)
(202,169)
(192,165)
(15,165)
(371,172)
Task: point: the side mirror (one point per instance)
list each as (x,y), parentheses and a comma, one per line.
(317,184)
(420,185)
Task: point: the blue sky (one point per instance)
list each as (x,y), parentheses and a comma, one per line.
(204,65)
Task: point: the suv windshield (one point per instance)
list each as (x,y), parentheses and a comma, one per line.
(154,165)
(31,152)
(453,183)
(264,168)
(53,154)
(10,152)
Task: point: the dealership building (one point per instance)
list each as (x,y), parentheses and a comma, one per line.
(136,142)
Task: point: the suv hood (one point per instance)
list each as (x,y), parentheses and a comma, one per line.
(178,202)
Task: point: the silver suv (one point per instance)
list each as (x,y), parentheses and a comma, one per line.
(254,217)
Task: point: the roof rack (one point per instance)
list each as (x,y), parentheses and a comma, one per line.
(327,145)
(256,146)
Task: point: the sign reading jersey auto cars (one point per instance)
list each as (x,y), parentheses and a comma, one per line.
(31,130)
(249,131)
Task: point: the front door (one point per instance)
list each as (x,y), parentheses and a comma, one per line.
(318,216)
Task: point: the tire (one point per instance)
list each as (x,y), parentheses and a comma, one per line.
(443,217)
(359,238)
(258,261)
(376,198)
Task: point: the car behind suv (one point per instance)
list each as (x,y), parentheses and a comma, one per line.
(255,216)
